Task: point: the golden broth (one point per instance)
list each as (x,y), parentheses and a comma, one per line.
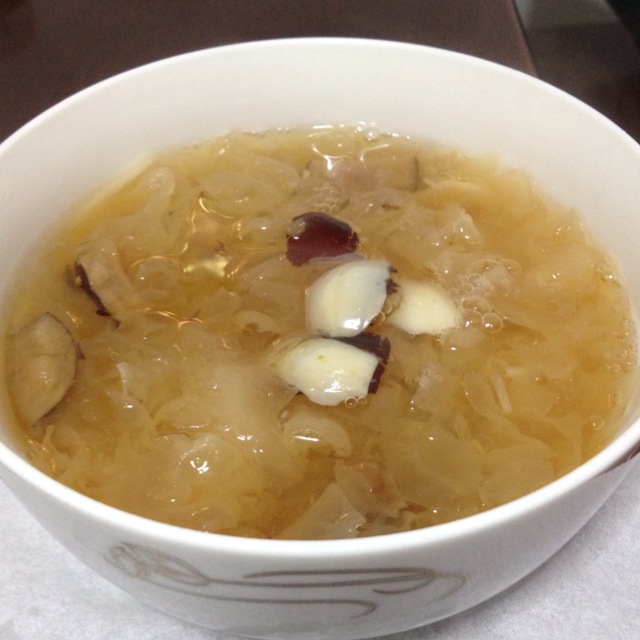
(177,411)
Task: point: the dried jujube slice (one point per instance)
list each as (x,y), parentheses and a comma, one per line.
(82,280)
(376,345)
(99,271)
(42,366)
(319,235)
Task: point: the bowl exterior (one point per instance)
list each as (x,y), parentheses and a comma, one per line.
(298,590)
(341,589)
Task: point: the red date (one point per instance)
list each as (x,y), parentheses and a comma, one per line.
(378,346)
(319,235)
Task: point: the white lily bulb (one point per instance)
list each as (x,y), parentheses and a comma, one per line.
(343,301)
(328,371)
(425,307)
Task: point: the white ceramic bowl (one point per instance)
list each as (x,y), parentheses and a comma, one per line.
(348,588)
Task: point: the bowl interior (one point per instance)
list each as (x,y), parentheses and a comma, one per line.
(573,153)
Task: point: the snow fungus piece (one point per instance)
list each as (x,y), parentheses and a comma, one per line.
(344,300)
(307,429)
(319,235)
(425,307)
(330,517)
(328,371)
(42,366)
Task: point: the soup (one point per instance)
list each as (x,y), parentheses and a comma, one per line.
(317,334)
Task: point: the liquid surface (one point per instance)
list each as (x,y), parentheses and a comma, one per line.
(178,411)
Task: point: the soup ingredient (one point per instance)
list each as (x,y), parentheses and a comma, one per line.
(42,365)
(330,516)
(345,300)
(377,345)
(319,235)
(101,275)
(328,371)
(424,307)
(84,282)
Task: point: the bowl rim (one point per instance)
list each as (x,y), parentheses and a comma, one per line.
(619,451)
